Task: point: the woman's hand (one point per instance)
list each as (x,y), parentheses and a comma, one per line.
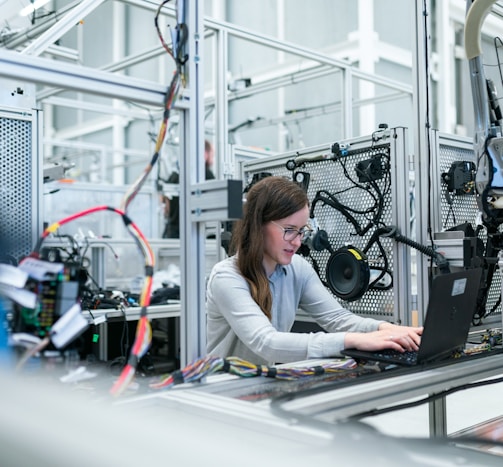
(389,336)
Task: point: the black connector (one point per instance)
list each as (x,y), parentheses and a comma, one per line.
(369,170)
(460,178)
(339,150)
(302,179)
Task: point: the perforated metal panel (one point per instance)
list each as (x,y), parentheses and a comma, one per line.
(451,209)
(19,181)
(384,204)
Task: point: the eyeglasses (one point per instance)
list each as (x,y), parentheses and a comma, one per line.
(290,234)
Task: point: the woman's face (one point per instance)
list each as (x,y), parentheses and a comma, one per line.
(277,250)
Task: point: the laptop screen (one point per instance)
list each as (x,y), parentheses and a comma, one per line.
(451,306)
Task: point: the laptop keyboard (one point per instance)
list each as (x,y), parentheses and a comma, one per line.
(406,358)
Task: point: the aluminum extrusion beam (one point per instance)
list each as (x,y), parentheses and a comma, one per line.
(63,52)
(230,30)
(345,402)
(288,47)
(69,76)
(192,171)
(224,162)
(309,54)
(42,42)
(119,65)
(135,59)
(316,111)
(134,313)
(422,137)
(20,38)
(98,108)
(284,80)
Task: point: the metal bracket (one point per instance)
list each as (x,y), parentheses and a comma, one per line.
(216,200)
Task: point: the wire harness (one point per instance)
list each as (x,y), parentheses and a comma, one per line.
(208,365)
(144,330)
(205,366)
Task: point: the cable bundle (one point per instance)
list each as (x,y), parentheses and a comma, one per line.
(179,40)
(194,371)
(205,366)
(144,330)
(143,337)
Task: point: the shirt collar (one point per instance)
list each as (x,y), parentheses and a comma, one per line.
(279,270)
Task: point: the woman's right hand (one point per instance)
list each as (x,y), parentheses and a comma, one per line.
(400,338)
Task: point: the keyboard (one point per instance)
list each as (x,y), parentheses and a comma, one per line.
(403,358)
(408,358)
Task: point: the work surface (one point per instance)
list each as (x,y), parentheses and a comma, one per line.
(220,421)
(329,391)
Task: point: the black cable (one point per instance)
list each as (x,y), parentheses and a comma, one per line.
(433,397)
(125,335)
(379,195)
(373,213)
(385,269)
(329,199)
(91,314)
(450,202)
(370,187)
(498,62)
(427,74)
(375,239)
(393,232)
(495,306)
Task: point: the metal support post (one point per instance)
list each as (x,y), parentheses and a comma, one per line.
(500,267)
(200,201)
(422,139)
(438,417)
(192,320)
(98,268)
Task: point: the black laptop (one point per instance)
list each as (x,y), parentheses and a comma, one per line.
(451,307)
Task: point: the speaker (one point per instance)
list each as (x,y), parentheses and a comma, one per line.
(348,273)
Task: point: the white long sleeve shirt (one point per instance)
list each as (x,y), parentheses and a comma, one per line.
(236,326)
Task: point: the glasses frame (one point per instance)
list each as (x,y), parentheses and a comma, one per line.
(303,232)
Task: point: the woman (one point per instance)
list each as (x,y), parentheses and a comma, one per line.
(253,296)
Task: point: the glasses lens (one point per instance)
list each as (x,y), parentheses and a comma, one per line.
(290,234)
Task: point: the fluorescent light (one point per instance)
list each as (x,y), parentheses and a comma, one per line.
(28,10)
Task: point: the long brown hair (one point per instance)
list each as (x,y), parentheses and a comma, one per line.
(270,199)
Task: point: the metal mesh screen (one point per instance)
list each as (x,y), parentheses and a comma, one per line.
(17,186)
(452,209)
(368,204)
